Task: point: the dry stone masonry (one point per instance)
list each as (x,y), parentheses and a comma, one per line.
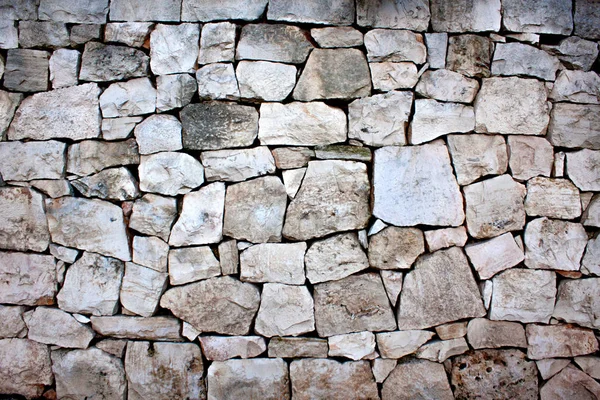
(283,199)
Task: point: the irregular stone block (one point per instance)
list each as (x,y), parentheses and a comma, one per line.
(547,16)
(27,367)
(446,85)
(158,133)
(154,215)
(53,326)
(530,156)
(24,225)
(110,184)
(229,257)
(577,87)
(333,37)
(521,59)
(43,34)
(141,289)
(575,125)
(217,82)
(281,43)
(174,91)
(554,244)
(575,53)
(447,237)
(335,12)
(388,76)
(334,258)
(174,48)
(395,45)
(495,255)
(237,165)
(64,68)
(587,19)
(217,43)
(207,10)
(559,341)
(39,288)
(483,333)
(291,347)
(474,156)
(153,328)
(554,198)
(150,252)
(91,156)
(440,350)
(105,63)
(144,10)
(124,99)
(417,378)
(590,365)
(578,302)
(170,173)
(132,34)
(395,248)
(221,348)
(26,70)
(83,33)
(192,264)
(401,343)
(470,55)
(118,128)
(262,80)
(20,9)
(453,330)
(437,47)
(73,11)
(397,14)
(465,16)
(32,160)
(583,168)
(285,310)
(274,262)
(13,325)
(433,119)
(8,104)
(570,383)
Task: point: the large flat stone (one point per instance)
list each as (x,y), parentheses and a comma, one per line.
(268,42)
(483,333)
(470,55)
(548,341)
(395,46)
(577,87)
(103,63)
(170,173)
(207,10)
(24,225)
(8,104)
(174,48)
(27,279)
(398,344)
(53,326)
(575,125)
(26,368)
(285,310)
(264,80)
(495,255)
(13,325)
(389,75)
(221,348)
(554,244)
(446,85)
(547,16)
(124,99)
(570,383)
(417,378)
(273,262)
(397,14)
(554,198)
(395,248)
(237,165)
(145,10)
(91,156)
(191,264)
(141,289)
(73,11)
(578,302)
(26,70)
(109,184)
(433,119)
(336,12)
(154,215)
(125,327)
(334,258)
(174,91)
(476,155)
(583,168)
(521,59)
(530,156)
(465,16)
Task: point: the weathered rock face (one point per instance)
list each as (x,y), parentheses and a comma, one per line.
(158,133)
(154,328)
(101,63)
(495,255)
(52,326)
(221,348)
(317,211)
(91,156)
(218,82)
(470,55)
(28,370)
(446,85)
(577,302)
(203,10)
(39,286)
(412,14)
(154,215)
(222,305)
(401,343)
(530,156)
(109,184)
(263,80)
(315,378)
(433,119)
(291,347)
(66,11)
(337,12)
(13,325)
(576,87)
(447,237)
(174,91)
(164,370)
(574,125)
(88,373)
(388,76)
(339,36)
(575,52)
(192,264)
(465,16)
(483,333)
(174,48)
(570,382)
(24,227)
(474,156)
(549,16)
(129,33)
(501,374)
(559,341)
(133,97)
(8,104)
(355,346)
(583,167)
(554,198)
(415,185)
(141,289)
(64,70)
(285,310)
(417,378)
(237,165)
(334,258)
(273,262)
(395,248)
(280,43)
(26,70)
(522,59)
(170,173)
(395,46)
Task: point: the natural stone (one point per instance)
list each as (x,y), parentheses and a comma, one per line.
(570,383)
(586,19)
(554,198)
(64,68)
(141,289)
(317,211)
(292,347)
(221,348)
(24,224)
(559,341)
(334,258)
(119,128)
(170,173)
(470,55)
(429,298)
(548,16)
(68,11)
(99,278)
(237,165)
(92,225)
(355,346)
(292,179)
(352,304)
(274,262)
(91,156)
(499,107)
(27,279)
(575,53)
(13,325)
(192,264)
(401,343)
(446,85)
(150,252)
(217,43)
(70,113)
(144,10)
(440,350)
(337,12)
(404,14)
(339,36)
(26,70)
(415,185)
(453,330)
(158,133)
(521,59)
(554,244)
(334,74)
(395,45)
(433,119)
(446,237)
(583,169)
(101,63)
(590,365)
(437,47)
(133,97)
(26,368)
(388,76)
(575,125)
(483,333)
(475,156)
(83,33)
(110,184)
(330,379)
(590,264)
(495,255)
(465,16)
(229,257)
(392,281)
(8,104)
(32,160)
(174,91)
(529,156)
(218,125)
(132,34)
(88,373)
(52,187)
(43,34)
(206,10)
(416,378)
(523,295)
(153,328)
(577,302)
(260,378)
(303,124)
(498,374)
(284,311)
(263,80)
(353,152)
(269,42)
(551,366)
(382,368)
(222,305)
(292,157)
(154,215)
(53,326)
(395,248)
(577,87)
(164,371)
(10,38)
(217,82)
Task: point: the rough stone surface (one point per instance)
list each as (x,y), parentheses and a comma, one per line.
(437,47)
(232,305)
(206,10)
(91,156)
(8,105)
(415,185)
(150,252)
(144,10)
(170,173)
(334,258)
(101,63)
(68,11)
(263,80)
(577,302)
(53,326)
(401,343)
(154,215)
(221,348)
(405,14)
(43,34)
(590,264)
(355,346)
(470,55)
(123,327)
(192,264)
(26,70)
(495,255)
(280,43)
(217,43)
(342,36)
(217,82)
(554,198)
(548,16)
(521,59)
(174,91)
(291,347)
(109,184)
(590,365)
(570,383)
(483,333)
(29,369)
(118,128)
(417,378)
(10,34)
(388,76)
(132,34)
(158,133)
(274,262)
(475,156)
(440,350)
(559,341)
(433,119)
(465,16)
(529,157)
(395,248)
(64,68)
(447,237)
(576,53)
(446,85)
(284,311)
(395,46)
(32,160)
(336,12)
(523,295)
(133,97)
(13,325)
(583,169)
(575,125)
(453,330)
(237,165)
(24,226)
(141,289)
(27,279)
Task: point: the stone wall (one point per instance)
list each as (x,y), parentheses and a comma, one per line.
(321,199)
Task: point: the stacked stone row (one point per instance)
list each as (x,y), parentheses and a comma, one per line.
(279,199)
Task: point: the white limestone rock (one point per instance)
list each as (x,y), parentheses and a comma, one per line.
(170,173)
(8,104)
(523,295)
(221,348)
(335,12)
(590,365)
(521,59)
(133,97)
(470,55)
(575,125)
(319,210)
(64,68)
(465,16)
(10,34)
(416,378)
(158,133)
(415,185)
(229,257)
(477,155)
(403,14)
(192,264)
(145,10)
(292,157)
(217,43)
(355,346)
(485,334)
(529,157)
(174,48)
(273,262)
(32,160)
(499,107)
(24,227)
(141,289)
(440,350)
(446,237)
(494,206)
(217,82)
(401,343)
(154,215)
(27,367)
(301,124)
(53,326)
(110,184)
(43,34)
(583,168)
(553,198)
(13,325)
(453,330)
(437,47)
(201,218)
(549,341)
(446,85)
(590,264)
(382,368)
(92,285)
(266,81)
(74,12)
(339,36)
(551,366)
(118,128)
(70,113)
(395,46)
(52,187)
(433,119)
(132,34)
(577,87)
(151,252)
(207,10)
(392,281)
(285,311)
(495,255)
(295,347)
(335,258)
(575,52)
(380,120)
(430,298)
(124,327)
(92,225)
(237,165)
(174,91)
(273,42)
(570,382)
(254,210)
(91,156)
(292,179)
(395,248)
(388,76)
(83,33)
(577,302)
(101,63)
(548,16)
(39,288)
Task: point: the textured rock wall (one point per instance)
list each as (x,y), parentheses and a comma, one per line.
(323,199)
